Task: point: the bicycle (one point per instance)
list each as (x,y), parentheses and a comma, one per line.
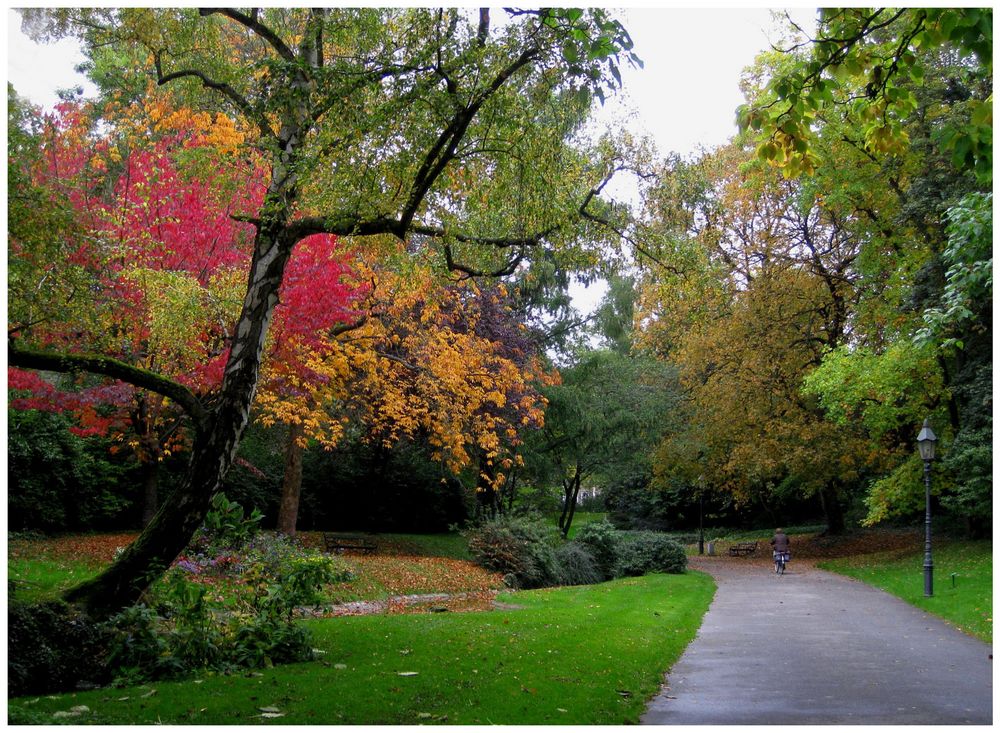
(780,560)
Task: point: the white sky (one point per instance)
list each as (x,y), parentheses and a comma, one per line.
(685,97)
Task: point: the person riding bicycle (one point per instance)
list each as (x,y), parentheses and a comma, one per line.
(781,544)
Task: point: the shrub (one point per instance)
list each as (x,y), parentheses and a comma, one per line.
(603,541)
(52,647)
(138,651)
(523,549)
(649,552)
(576,565)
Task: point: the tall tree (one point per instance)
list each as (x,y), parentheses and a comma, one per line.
(764,283)
(371,122)
(904,98)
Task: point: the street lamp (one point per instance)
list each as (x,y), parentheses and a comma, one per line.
(925,444)
(701,515)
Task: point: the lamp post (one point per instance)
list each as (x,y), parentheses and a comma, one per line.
(701,515)
(925,444)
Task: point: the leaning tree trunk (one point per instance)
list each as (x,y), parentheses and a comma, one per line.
(291,486)
(215,444)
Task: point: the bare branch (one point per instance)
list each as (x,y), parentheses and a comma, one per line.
(443,150)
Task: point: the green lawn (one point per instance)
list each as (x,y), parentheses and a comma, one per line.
(968,603)
(40,578)
(578,655)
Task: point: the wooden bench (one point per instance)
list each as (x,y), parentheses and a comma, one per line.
(342,542)
(743,548)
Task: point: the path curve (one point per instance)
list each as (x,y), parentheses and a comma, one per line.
(814,647)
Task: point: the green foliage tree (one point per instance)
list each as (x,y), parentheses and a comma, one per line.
(602,420)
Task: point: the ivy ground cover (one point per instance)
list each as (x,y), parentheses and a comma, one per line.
(578,655)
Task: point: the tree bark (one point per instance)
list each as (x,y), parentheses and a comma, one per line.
(835,524)
(291,486)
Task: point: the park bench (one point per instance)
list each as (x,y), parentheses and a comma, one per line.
(341,542)
(743,548)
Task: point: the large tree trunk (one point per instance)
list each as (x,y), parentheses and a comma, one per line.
(216,440)
(291,486)
(831,508)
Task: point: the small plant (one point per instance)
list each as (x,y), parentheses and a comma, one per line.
(184,626)
(226,525)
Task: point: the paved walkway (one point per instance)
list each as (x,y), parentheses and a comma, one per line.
(815,648)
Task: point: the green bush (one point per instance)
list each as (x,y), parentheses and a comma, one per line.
(576,565)
(51,647)
(532,555)
(603,541)
(138,650)
(649,552)
(521,548)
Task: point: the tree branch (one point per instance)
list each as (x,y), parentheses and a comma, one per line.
(108,367)
(507,269)
(251,23)
(231,94)
(443,150)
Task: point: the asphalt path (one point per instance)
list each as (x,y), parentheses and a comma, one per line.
(812,647)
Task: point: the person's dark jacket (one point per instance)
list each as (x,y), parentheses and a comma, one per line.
(780,542)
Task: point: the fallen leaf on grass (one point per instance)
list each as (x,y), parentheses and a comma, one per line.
(562,710)
(340,666)
(73,712)
(271,715)
(269,710)
(407,674)
(149,694)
